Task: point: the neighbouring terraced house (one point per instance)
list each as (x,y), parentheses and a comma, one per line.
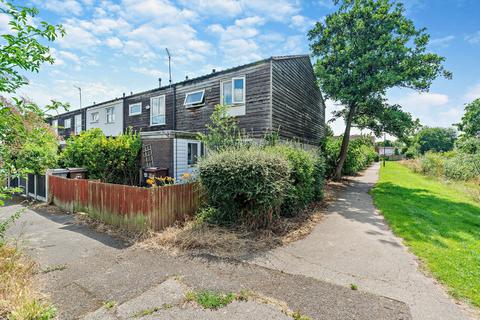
(276,94)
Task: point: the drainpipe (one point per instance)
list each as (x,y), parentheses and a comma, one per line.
(175,126)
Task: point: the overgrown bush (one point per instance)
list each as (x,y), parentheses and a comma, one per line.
(468,145)
(244,186)
(433,164)
(112,160)
(361,153)
(306,177)
(463,166)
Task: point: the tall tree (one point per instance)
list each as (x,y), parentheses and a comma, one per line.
(435,139)
(365,48)
(470,123)
(22,50)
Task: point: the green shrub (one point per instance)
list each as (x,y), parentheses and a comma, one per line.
(468,145)
(112,160)
(361,153)
(433,164)
(306,177)
(463,166)
(244,186)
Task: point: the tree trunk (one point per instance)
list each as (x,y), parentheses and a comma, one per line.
(344,148)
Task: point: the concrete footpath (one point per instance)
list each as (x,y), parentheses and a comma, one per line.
(354,245)
(83,269)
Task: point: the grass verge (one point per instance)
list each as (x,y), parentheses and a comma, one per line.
(438,222)
(18,299)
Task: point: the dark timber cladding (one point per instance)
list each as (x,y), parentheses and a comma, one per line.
(194,119)
(66,132)
(141,122)
(298,109)
(257,88)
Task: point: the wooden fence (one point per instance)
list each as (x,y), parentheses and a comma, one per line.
(125,206)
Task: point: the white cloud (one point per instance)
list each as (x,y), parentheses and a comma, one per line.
(65,7)
(78,38)
(229,8)
(301,23)
(473,38)
(472,93)
(4,26)
(151,72)
(277,10)
(416,100)
(160,12)
(114,43)
(442,42)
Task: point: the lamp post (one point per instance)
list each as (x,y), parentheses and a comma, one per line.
(80,93)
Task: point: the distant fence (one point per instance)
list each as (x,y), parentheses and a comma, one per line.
(33,185)
(125,206)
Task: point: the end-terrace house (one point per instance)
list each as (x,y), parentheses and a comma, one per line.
(275,94)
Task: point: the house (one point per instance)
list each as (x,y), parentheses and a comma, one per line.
(387,151)
(275,94)
(69,123)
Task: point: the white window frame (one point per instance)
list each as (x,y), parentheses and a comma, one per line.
(195,104)
(55,125)
(112,114)
(232,81)
(244,90)
(197,155)
(69,123)
(77,127)
(94,117)
(130,113)
(161,97)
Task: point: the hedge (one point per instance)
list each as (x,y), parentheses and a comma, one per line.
(244,186)
(361,153)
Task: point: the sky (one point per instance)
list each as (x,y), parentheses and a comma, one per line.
(116,47)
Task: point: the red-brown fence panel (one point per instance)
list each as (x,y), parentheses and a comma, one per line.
(125,206)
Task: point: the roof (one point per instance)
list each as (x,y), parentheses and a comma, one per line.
(203,77)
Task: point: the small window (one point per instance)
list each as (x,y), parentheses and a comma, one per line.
(110,114)
(194,98)
(157,110)
(238,90)
(135,109)
(227,93)
(233,91)
(192,153)
(78,124)
(55,125)
(67,124)
(94,117)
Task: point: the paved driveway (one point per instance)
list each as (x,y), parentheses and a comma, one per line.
(89,268)
(354,245)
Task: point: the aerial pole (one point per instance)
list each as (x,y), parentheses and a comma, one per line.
(169,67)
(80,93)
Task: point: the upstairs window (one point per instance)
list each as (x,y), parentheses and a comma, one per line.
(193,99)
(157,110)
(67,124)
(135,109)
(110,114)
(78,124)
(192,154)
(94,117)
(233,91)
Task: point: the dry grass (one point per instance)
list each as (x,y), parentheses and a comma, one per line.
(18,298)
(194,237)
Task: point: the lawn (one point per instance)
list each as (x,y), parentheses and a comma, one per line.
(439,222)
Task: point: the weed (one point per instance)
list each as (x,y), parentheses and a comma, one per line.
(166,306)
(298,316)
(58,267)
(33,310)
(109,305)
(210,299)
(146,312)
(353,286)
